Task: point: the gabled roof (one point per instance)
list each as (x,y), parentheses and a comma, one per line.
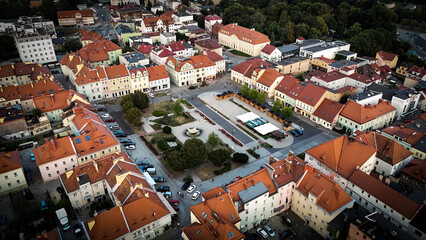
(287,84)
(385,194)
(157,72)
(152,21)
(287,170)
(7,70)
(269,77)
(212,17)
(117,71)
(9,93)
(329,195)
(72,13)
(59,100)
(311,94)
(22,69)
(53,150)
(343,154)
(107,225)
(201,61)
(268,49)
(330,76)
(208,43)
(246,68)
(407,135)
(387,56)
(328,110)
(38,88)
(214,56)
(327,60)
(90,76)
(145,48)
(9,161)
(362,114)
(361,78)
(244,34)
(417,171)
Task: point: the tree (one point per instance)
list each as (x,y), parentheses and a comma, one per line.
(213,139)
(181,36)
(182,8)
(261,98)
(314,33)
(127,105)
(194,152)
(240,157)
(162,144)
(127,48)
(72,45)
(245,90)
(175,160)
(253,94)
(354,30)
(140,99)
(133,116)
(286,112)
(178,108)
(277,106)
(219,157)
(344,99)
(36,112)
(167,129)
(7,47)
(301,29)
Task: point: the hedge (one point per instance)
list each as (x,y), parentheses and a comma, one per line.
(158,113)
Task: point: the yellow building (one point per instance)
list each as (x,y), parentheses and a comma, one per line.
(76,17)
(11,174)
(293,65)
(403,68)
(386,58)
(321,63)
(242,39)
(119,83)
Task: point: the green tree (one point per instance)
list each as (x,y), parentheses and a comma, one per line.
(245,90)
(181,36)
(240,157)
(286,112)
(213,139)
(72,45)
(253,94)
(261,98)
(127,48)
(277,106)
(36,112)
(183,8)
(219,157)
(127,105)
(314,33)
(133,116)
(7,47)
(301,29)
(175,160)
(354,30)
(178,108)
(167,129)
(140,99)
(194,152)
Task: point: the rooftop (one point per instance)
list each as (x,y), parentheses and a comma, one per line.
(9,161)
(133,57)
(246,68)
(287,169)
(53,150)
(208,43)
(407,135)
(364,95)
(387,56)
(292,60)
(269,77)
(417,171)
(244,34)
(363,114)
(328,110)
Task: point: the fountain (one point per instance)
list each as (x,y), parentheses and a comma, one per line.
(193,132)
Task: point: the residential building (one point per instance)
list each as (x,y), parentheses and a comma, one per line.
(145,49)
(35,47)
(386,58)
(89,83)
(405,102)
(118,81)
(215,29)
(325,49)
(270,53)
(267,80)
(167,38)
(293,65)
(42,125)
(159,79)
(11,173)
(321,63)
(137,41)
(403,68)
(159,55)
(242,39)
(139,78)
(318,199)
(211,20)
(76,17)
(391,156)
(9,96)
(241,73)
(182,18)
(133,13)
(376,196)
(286,90)
(346,55)
(124,2)
(190,71)
(22,73)
(12,123)
(208,45)
(412,176)
(338,158)
(367,97)
(327,113)
(181,49)
(414,76)
(342,64)
(162,23)
(411,139)
(308,97)
(354,116)
(133,59)
(217,59)
(27,24)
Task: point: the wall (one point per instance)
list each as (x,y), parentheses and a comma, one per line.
(15,178)
(59,168)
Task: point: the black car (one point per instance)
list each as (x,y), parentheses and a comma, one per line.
(163,189)
(158,179)
(61,192)
(185,186)
(287,233)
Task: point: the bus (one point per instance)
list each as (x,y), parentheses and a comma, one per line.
(26,145)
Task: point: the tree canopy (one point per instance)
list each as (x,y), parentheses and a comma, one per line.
(213,139)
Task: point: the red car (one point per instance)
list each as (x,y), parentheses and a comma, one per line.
(110,120)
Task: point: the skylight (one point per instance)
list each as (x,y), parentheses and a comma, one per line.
(87,138)
(78,140)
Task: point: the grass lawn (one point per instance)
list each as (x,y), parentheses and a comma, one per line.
(176,120)
(236,52)
(165,106)
(207,170)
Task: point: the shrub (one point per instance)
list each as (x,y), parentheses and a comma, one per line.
(158,113)
(253,153)
(167,130)
(170,139)
(192,87)
(188,179)
(240,157)
(162,144)
(219,157)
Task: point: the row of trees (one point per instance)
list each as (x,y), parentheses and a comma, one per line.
(253,94)
(132,105)
(278,108)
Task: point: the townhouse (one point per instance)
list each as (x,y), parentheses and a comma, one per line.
(355,116)
(9,95)
(12,123)
(163,23)
(339,157)
(386,59)
(411,176)
(139,78)
(318,199)
(89,84)
(308,97)
(217,59)
(22,73)
(190,71)
(405,102)
(293,65)
(415,76)
(42,87)
(327,113)
(242,39)
(76,17)
(181,49)
(267,80)
(167,38)
(209,45)
(321,63)
(133,59)
(270,53)
(286,90)
(391,156)
(241,73)
(211,20)
(11,173)
(377,197)
(159,79)
(118,80)
(411,139)
(159,55)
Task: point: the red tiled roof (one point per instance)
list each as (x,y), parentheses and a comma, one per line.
(87,77)
(246,68)
(330,76)
(328,110)
(53,150)
(361,78)
(9,161)
(27,91)
(9,93)
(386,55)
(57,100)
(311,94)
(22,69)
(152,21)
(268,49)
(385,194)
(327,60)
(208,43)
(212,17)
(117,71)
(72,13)
(287,170)
(244,34)
(214,56)
(417,171)
(287,84)
(107,225)
(300,38)
(176,46)
(7,70)
(362,114)
(145,48)
(157,73)
(269,77)
(51,235)
(407,135)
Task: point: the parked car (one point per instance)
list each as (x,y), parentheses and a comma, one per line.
(3,220)
(130,147)
(106,115)
(158,179)
(29,180)
(129,144)
(185,186)
(145,167)
(262,232)
(43,205)
(174,202)
(109,120)
(167,194)
(27,171)
(163,189)
(269,231)
(77,230)
(271,104)
(61,192)
(119,135)
(287,233)
(32,157)
(143,162)
(114,127)
(294,133)
(101,109)
(151,95)
(195,195)
(126,140)
(119,132)
(300,132)
(191,188)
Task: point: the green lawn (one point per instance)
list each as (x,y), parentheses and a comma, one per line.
(236,52)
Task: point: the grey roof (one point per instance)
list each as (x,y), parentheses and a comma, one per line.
(324,46)
(343,63)
(83,179)
(252,192)
(167,34)
(418,196)
(288,48)
(345,53)
(418,125)
(291,60)
(138,37)
(182,14)
(387,92)
(8,20)
(421,144)
(364,95)
(133,57)
(405,94)
(308,43)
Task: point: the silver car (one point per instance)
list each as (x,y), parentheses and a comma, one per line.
(196,195)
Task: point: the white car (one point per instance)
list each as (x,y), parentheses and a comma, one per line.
(271,104)
(130,147)
(191,188)
(195,195)
(151,95)
(105,115)
(262,232)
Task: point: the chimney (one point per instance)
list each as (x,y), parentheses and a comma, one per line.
(53,98)
(52,141)
(95,164)
(290,153)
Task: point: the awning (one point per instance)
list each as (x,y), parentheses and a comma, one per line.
(266,128)
(247,117)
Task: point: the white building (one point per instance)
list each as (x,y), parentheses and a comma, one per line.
(27,25)
(89,83)
(367,97)
(181,17)
(405,102)
(159,54)
(139,78)
(133,59)
(35,47)
(158,78)
(167,38)
(210,20)
(217,59)
(11,174)
(270,53)
(191,71)
(326,49)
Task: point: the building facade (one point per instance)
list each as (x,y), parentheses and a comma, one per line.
(35,47)
(242,39)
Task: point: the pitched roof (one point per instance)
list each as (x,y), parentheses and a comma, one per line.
(212,17)
(59,100)
(268,49)
(387,56)
(212,193)
(7,70)
(407,135)
(388,149)
(311,94)
(9,161)
(107,225)
(342,154)
(362,114)
(384,193)
(201,61)
(287,84)
(269,76)
(9,93)
(38,88)
(157,72)
(208,43)
(287,170)
(328,110)
(145,48)
(214,56)
(117,71)
(152,21)
(23,69)
(330,76)
(361,78)
(53,150)
(72,13)
(244,34)
(90,76)
(417,171)
(327,60)
(246,68)
(53,234)
(330,196)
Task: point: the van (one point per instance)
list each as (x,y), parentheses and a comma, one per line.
(151,171)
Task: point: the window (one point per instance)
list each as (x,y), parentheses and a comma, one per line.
(57,172)
(50,175)
(56,165)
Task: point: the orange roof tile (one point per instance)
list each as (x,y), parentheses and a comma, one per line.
(117,71)
(152,21)
(9,93)
(53,150)
(342,154)
(208,43)
(57,100)
(269,76)
(362,114)
(384,193)
(287,84)
(246,68)
(214,56)
(417,171)
(22,69)
(311,94)
(287,170)
(35,89)
(331,76)
(201,61)
(157,72)
(328,110)
(7,71)
(408,135)
(51,235)
(327,60)
(94,141)
(268,49)
(330,196)
(107,225)
(387,56)
(72,13)
(86,78)
(9,161)
(244,34)
(212,193)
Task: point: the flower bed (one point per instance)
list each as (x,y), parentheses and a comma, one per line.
(231,137)
(205,117)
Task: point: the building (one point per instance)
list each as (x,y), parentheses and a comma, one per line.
(215,29)
(344,77)
(321,63)
(208,45)
(412,176)
(368,97)
(35,47)
(386,58)
(321,48)
(411,139)
(293,65)
(159,54)
(242,39)
(118,81)
(391,156)
(167,38)
(11,172)
(124,2)
(342,64)
(339,157)
(218,60)
(27,24)
(405,102)
(415,76)
(89,83)
(318,199)
(377,197)
(12,123)
(286,90)
(354,116)
(159,79)
(145,49)
(132,13)
(211,20)
(191,71)
(133,59)
(162,23)
(403,68)
(76,17)
(139,78)
(267,79)
(270,53)
(327,113)
(241,73)
(138,41)
(181,49)
(308,97)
